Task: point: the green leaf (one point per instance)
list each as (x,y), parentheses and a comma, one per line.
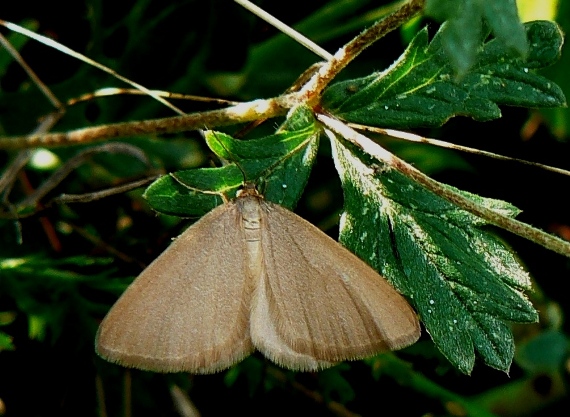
(464,283)
(419,90)
(192,192)
(334,385)
(547,352)
(51,292)
(463,32)
(251,368)
(281,163)
(559,118)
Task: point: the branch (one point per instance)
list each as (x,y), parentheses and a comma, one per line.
(514,226)
(241,113)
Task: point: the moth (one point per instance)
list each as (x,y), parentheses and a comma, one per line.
(250,275)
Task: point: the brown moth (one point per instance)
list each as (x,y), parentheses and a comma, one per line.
(253,275)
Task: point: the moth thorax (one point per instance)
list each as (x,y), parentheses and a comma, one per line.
(250,210)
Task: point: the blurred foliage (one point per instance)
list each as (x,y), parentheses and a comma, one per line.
(61,271)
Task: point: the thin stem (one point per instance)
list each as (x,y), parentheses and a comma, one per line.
(442,144)
(289,31)
(128,394)
(97,195)
(183,403)
(113,91)
(77,160)
(514,226)
(100,391)
(9,175)
(43,88)
(8,178)
(71,52)
(334,407)
(102,245)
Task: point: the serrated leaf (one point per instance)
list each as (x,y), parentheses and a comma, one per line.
(419,89)
(192,192)
(279,163)
(463,32)
(464,283)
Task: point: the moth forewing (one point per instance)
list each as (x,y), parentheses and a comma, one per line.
(186,310)
(322,300)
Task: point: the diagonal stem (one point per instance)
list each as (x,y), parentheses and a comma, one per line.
(514,226)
